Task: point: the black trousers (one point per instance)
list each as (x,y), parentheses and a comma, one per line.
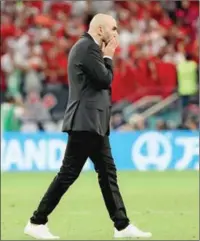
(82,145)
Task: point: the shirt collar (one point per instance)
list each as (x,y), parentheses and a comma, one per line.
(96,41)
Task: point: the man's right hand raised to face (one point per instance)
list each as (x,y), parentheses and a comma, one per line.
(109,49)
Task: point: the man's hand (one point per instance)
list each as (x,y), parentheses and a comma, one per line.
(110,48)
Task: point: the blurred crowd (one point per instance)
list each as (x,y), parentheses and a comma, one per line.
(189,122)
(158,51)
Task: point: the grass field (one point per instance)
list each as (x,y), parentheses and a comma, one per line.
(164,203)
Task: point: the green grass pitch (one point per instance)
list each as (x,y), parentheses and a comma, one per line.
(165,203)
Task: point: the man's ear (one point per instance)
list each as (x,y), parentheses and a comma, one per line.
(100,30)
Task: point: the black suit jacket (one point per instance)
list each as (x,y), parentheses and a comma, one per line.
(90,76)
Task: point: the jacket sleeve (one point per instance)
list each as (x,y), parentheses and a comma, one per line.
(99,70)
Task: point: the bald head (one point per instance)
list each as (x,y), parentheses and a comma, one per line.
(103,27)
(101,19)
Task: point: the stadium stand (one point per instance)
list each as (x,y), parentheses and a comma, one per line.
(158,58)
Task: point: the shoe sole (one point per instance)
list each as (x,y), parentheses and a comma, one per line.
(39,238)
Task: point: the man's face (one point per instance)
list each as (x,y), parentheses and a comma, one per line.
(109,31)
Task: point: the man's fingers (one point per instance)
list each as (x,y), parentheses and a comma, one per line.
(112,42)
(103,46)
(111,47)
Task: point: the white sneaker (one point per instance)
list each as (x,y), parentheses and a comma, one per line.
(39,231)
(131,232)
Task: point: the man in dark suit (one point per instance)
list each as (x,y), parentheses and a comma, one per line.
(86,120)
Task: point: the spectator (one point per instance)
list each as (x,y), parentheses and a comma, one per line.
(161,125)
(138,122)
(11,64)
(172,56)
(170,7)
(12,112)
(191,123)
(33,77)
(187,80)
(117,121)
